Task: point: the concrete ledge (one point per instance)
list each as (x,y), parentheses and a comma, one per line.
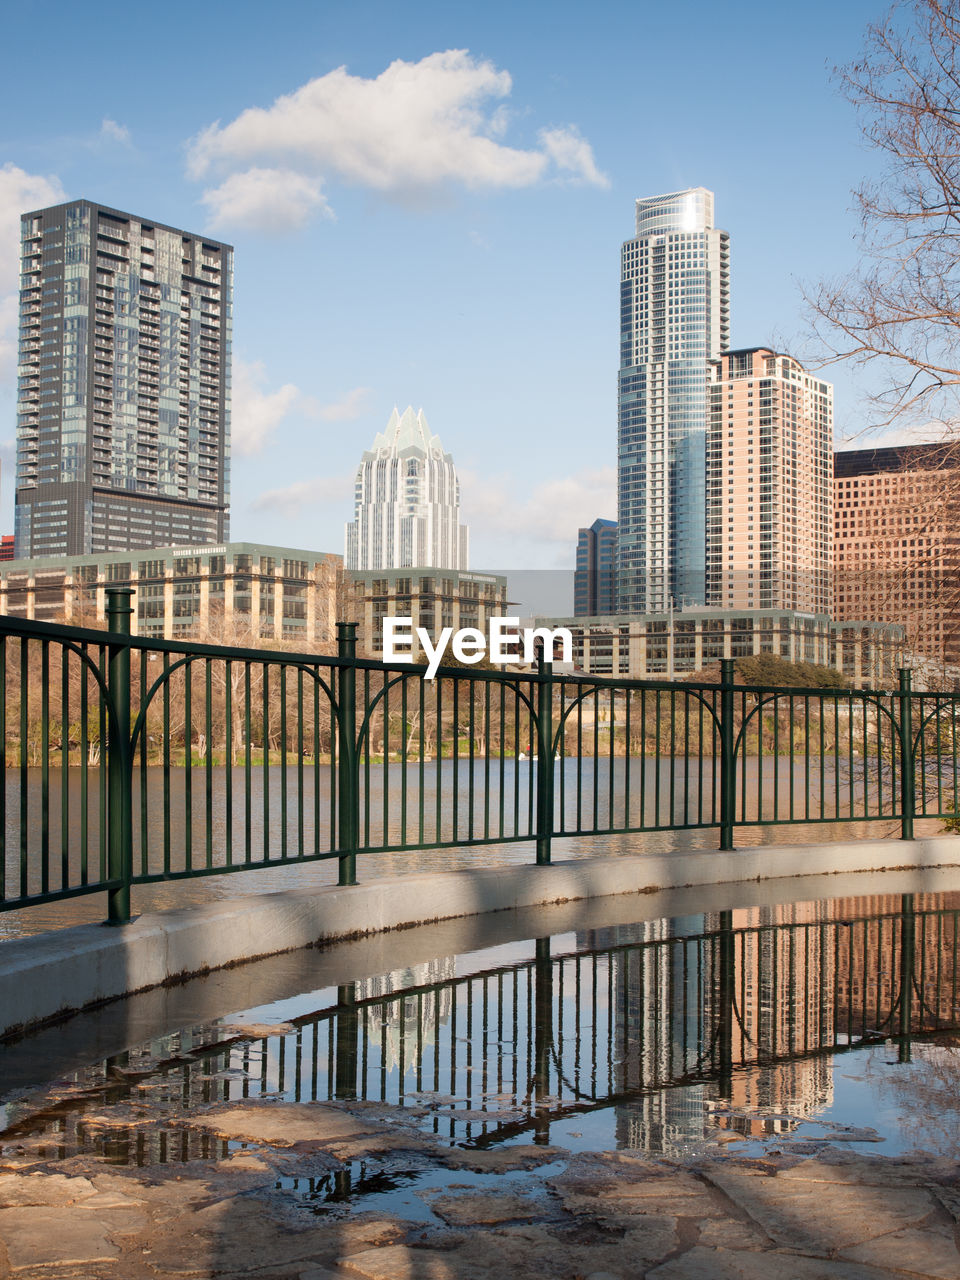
(49,975)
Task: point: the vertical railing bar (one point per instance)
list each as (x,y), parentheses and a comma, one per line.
(366,758)
(421,699)
(247,763)
(643,758)
(516,758)
(743,756)
(24,756)
(228,762)
(84,761)
(208,770)
(188,765)
(144,751)
(404,739)
(300,792)
(386,775)
(487,740)
(673,757)
(627,759)
(3,776)
(596,758)
(316,759)
(612,757)
(265,757)
(283,760)
(64,771)
(44,766)
(806,754)
(793,771)
(579,760)
(657,729)
(531,772)
(471,761)
(166,762)
(685,698)
(102,798)
(456,760)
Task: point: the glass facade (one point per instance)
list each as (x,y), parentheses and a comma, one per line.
(124,390)
(595,580)
(674,319)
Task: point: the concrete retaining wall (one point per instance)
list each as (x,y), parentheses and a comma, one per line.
(46,976)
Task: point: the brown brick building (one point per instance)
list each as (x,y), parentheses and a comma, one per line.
(897,543)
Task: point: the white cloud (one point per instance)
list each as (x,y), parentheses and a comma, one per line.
(19,192)
(415,127)
(307,493)
(350,406)
(552,511)
(573,155)
(110,131)
(256,413)
(264,199)
(899,435)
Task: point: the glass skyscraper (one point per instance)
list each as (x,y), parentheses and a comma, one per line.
(674,319)
(123,414)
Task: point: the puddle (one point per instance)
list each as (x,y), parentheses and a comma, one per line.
(799,1028)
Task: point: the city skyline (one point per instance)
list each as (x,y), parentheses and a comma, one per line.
(481,282)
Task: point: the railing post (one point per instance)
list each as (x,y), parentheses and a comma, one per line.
(348,791)
(544,759)
(119,763)
(728,765)
(908,781)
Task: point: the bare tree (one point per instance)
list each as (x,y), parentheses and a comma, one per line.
(901,307)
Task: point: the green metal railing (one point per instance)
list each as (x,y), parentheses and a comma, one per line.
(129,760)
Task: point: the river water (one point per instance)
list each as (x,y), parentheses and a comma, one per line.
(186,815)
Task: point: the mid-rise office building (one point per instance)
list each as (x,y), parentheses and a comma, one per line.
(674,320)
(769,485)
(236,591)
(897,543)
(407,502)
(677,643)
(595,577)
(123,415)
(430,599)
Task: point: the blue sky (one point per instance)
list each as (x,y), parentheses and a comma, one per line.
(419,226)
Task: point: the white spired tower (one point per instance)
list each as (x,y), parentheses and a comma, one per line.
(407,502)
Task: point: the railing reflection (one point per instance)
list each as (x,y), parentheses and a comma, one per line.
(672,1023)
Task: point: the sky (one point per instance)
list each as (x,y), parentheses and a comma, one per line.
(427,203)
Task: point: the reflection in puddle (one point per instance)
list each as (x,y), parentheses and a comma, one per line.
(791,1027)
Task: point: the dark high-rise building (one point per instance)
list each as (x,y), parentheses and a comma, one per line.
(123,427)
(595,577)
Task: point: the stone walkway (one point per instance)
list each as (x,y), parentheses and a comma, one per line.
(511,1212)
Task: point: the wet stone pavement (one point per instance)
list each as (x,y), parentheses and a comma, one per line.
(360,1191)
